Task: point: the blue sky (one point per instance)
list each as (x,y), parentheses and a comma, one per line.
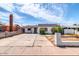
(36,13)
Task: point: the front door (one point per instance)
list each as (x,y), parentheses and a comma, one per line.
(35,30)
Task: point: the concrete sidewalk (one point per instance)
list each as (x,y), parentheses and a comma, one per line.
(33,44)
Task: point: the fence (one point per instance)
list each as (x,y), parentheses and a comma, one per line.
(9,34)
(59,42)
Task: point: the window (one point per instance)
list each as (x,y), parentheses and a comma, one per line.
(29,29)
(78,29)
(45,29)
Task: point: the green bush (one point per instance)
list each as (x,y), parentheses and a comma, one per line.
(52,30)
(42,31)
(57,29)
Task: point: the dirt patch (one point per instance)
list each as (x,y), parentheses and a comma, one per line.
(50,37)
(70,37)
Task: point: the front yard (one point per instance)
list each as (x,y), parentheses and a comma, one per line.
(68,37)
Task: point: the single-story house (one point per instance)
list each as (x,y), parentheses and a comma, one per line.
(4,28)
(36,28)
(73,29)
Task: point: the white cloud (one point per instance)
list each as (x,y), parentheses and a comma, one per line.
(36,11)
(7,6)
(16,16)
(69,22)
(4,17)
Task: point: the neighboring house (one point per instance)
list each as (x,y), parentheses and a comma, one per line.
(30,29)
(1,27)
(15,28)
(36,28)
(71,29)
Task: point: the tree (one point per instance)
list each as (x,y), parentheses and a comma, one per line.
(57,29)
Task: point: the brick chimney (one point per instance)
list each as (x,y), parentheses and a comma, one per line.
(11,22)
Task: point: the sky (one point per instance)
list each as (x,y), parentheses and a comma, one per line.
(40,13)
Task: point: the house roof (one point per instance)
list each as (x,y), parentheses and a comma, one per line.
(72,26)
(30,26)
(40,25)
(48,25)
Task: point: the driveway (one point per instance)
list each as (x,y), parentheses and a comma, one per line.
(17,45)
(26,40)
(33,44)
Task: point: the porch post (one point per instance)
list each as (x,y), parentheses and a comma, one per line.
(38,30)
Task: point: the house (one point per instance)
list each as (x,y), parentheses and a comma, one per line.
(33,29)
(36,28)
(4,28)
(30,29)
(72,29)
(1,27)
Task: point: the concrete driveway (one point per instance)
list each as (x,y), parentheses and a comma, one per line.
(17,45)
(26,40)
(33,44)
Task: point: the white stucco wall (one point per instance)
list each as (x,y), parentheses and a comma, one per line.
(38,30)
(26,30)
(58,41)
(49,30)
(76,32)
(69,31)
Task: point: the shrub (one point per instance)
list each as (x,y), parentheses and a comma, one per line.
(57,29)
(42,31)
(52,30)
